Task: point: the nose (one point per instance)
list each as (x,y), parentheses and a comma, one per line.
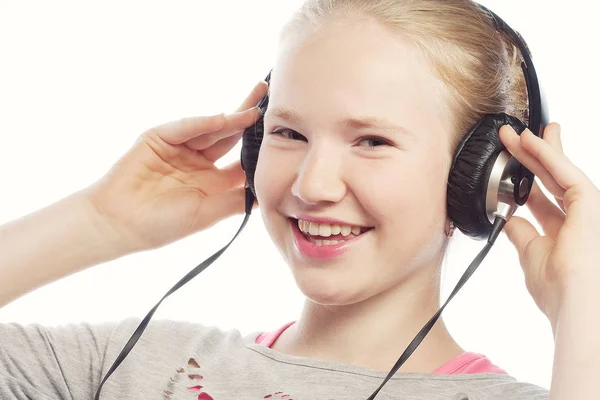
(319,177)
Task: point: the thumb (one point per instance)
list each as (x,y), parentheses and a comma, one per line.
(520,232)
(533,250)
(531,246)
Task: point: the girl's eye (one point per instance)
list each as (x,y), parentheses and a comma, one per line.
(288,133)
(373,142)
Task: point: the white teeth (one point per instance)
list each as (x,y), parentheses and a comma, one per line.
(346,230)
(313,229)
(324,242)
(324,230)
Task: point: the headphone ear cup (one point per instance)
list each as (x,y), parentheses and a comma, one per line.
(251,141)
(469,174)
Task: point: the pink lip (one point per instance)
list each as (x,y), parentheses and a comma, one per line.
(311,250)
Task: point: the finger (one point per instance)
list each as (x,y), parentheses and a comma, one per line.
(222,147)
(565,173)
(550,218)
(258,92)
(212,181)
(552,136)
(234,124)
(514,145)
(177,132)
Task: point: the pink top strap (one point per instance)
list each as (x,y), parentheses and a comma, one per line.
(466,363)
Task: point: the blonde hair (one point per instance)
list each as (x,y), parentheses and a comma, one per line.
(479,66)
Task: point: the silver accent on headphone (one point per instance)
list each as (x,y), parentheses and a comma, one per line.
(499,198)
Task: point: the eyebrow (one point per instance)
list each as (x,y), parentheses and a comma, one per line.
(365,122)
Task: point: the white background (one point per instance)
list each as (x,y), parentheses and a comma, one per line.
(79,81)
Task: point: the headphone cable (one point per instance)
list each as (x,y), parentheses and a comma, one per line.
(496,229)
(499,223)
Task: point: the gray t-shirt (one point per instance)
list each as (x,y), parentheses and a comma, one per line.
(180,360)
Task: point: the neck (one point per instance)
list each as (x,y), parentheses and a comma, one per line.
(374,333)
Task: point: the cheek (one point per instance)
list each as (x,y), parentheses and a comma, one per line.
(262,175)
(407,188)
(272,176)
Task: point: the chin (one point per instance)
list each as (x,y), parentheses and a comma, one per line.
(331,288)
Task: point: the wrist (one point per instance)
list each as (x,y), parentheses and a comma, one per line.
(113,242)
(576,342)
(576,296)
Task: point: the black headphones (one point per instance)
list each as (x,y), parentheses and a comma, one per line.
(485,181)
(485,186)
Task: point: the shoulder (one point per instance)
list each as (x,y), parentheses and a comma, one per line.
(492,386)
(167,345)
(175,333)
(517,390)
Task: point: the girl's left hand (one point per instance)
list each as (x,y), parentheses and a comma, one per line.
(568,256)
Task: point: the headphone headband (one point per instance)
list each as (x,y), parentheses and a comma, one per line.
(537,117)
(537,109)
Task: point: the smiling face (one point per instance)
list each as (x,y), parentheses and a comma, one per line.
(356,134)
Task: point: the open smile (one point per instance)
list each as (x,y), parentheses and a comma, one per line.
(332,245)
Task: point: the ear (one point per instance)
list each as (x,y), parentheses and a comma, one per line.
(449,227)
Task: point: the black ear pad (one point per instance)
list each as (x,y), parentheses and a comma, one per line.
(251,140)
(470,171)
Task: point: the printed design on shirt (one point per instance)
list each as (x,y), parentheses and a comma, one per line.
(278,395)
(189,376)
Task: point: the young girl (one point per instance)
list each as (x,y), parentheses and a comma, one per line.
(368,100)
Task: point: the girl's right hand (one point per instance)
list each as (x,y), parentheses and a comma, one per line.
(167,187)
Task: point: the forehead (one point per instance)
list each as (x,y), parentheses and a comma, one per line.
(356,68)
